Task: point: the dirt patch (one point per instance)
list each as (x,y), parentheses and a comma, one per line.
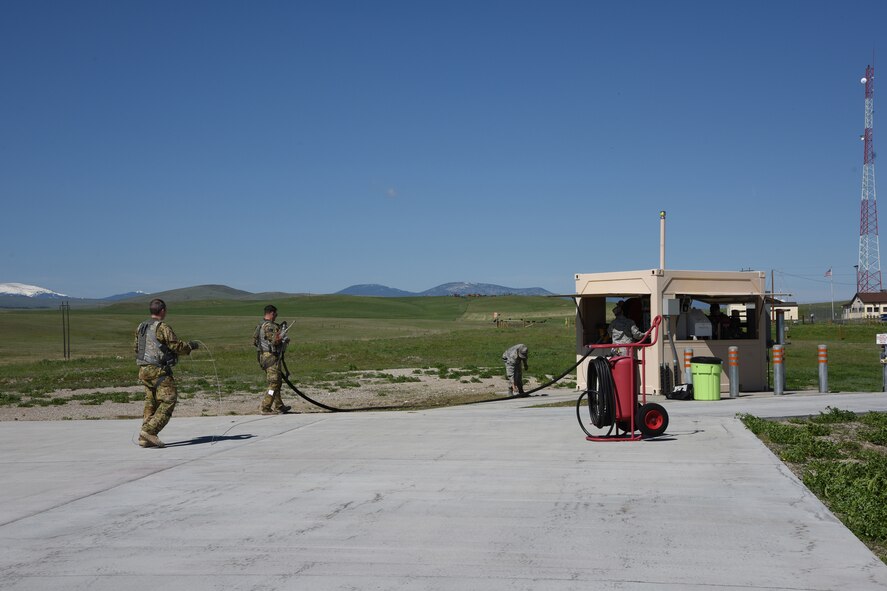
(359,390)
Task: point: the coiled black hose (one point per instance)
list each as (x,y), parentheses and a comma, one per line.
(601,393)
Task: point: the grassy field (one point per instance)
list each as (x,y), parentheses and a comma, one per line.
(345,333)
(331,334)
(853,357)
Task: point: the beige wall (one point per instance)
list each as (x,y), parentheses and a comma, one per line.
(592,289)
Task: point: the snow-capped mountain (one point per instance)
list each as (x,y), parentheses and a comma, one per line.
(31,291)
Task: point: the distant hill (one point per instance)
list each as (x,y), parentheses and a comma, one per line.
(484,289)
(445,289)
(375,290)
(124,296)
(196,293)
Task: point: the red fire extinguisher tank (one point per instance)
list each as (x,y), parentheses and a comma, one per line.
(626,386)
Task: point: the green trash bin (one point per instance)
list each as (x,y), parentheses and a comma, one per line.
(706,378)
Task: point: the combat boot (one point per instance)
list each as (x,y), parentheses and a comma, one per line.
(284,409)
(145,443)
(152,439)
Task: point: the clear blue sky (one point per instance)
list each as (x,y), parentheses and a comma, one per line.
(307,146)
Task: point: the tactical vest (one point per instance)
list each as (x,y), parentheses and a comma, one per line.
(152,351)
(263,345)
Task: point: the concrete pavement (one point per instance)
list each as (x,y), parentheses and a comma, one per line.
(491,496)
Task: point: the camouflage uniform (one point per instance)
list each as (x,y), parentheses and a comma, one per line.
(623,331)
(160,386)
(266,337)
(514,358)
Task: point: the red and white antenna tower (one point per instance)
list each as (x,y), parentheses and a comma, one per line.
(868,272)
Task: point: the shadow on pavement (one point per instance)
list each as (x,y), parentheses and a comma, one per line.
(210,439)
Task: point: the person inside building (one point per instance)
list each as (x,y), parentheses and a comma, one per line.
(623,331)
(720,322)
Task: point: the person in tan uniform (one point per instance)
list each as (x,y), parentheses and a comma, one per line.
(157,350)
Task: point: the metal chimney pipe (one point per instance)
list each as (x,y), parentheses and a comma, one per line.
(662,239)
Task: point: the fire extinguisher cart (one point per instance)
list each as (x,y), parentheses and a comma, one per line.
(614,399)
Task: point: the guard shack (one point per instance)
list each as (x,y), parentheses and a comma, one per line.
(706,311)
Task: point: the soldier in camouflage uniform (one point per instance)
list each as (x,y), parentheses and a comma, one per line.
(157,349)
(269,341)
(514,357)
(623,331)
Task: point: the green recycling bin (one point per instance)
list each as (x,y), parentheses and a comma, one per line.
(706,378)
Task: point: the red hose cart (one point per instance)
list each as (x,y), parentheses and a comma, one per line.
(612,394)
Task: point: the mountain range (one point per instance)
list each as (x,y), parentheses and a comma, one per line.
(445,289)
(21,295)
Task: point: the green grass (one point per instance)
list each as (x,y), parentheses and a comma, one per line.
(334,334)
(853,357)
(331,334)
(842,458)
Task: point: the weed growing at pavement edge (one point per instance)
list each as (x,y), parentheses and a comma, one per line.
(842,458)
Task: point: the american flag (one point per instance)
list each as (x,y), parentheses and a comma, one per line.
(828,273)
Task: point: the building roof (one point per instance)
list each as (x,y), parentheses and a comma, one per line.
(872,298)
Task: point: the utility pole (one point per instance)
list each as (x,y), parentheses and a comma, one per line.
(65,309)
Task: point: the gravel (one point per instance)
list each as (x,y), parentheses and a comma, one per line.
(431,390)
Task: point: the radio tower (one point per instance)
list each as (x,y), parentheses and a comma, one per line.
(868,272)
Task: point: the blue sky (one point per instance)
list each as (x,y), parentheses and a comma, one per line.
(307,146)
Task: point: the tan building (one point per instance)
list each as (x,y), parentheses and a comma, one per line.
(685,300)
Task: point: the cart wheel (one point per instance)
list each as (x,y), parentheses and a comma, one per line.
(652,420)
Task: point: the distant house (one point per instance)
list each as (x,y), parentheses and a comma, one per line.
(865,305)
(789,309)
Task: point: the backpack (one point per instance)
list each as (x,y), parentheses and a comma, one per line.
(682,392)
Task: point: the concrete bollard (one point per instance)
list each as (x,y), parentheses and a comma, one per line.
(823,368)
(688,371)
(778,370)
(884,365)
(733,370)
(780,327)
